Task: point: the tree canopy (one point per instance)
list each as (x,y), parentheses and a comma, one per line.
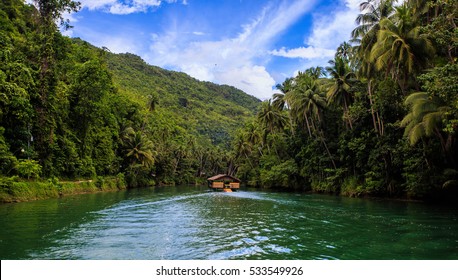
(71,110)
(381,121)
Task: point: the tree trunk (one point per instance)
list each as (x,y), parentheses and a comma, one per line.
(347,115)
(308,125)
(327,149)
(369,92)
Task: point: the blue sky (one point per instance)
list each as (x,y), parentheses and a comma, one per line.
(250,44)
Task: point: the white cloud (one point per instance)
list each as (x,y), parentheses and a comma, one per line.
(124,7)
(330,30)
(239,60)
(121,9)
(200,72)
(122,42)
(251,79)
(119,44)
(97,4)
(304,52)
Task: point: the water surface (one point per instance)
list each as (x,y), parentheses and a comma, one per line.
(194,223)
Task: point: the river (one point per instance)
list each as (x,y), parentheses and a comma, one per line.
(194,223)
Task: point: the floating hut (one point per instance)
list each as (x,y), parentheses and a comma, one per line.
(223,182)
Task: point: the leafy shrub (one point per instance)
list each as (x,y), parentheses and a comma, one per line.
(28,168)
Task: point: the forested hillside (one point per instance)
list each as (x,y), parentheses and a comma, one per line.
(380,119)
(202,107)
(69,110)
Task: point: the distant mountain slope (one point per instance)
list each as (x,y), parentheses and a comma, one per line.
(203,107)
(71,110)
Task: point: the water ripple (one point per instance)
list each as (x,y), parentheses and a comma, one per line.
(249,225)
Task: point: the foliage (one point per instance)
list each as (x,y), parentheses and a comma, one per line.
(28,168)
(381,119)
(13,189)
(389,125)
(71,110)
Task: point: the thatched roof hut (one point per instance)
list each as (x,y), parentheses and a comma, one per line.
(223,182)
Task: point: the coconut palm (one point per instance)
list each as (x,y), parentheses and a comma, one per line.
(364,36)
(342,78)
(252,133)
(401,49)
(345,50)
(271,119)
(316,72)
(139,150)
(307,101)
(279,97)
(425,117)
(368,22)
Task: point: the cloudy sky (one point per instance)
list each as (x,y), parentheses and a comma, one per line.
(250,44)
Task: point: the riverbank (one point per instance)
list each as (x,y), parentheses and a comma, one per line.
(14,189)
(352,189)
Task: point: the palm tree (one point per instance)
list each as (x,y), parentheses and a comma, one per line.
(153,101)
(271,118)
(364,36)
(425,116)
(400,49)
(243,147)
(307,101)
(316,72)
(252,134)
(425,119)
(345,50)
(368,21)
(339,91)
(139,150)
(279,97)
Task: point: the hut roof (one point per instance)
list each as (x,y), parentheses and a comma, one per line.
(223,177)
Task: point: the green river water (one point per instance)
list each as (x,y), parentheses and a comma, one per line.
(193,223)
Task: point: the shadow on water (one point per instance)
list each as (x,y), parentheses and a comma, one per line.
(194,223)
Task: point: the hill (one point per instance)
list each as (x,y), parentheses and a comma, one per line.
(203,108)
(71,110)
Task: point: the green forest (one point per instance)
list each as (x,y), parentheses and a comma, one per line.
(72,112)
(380,119)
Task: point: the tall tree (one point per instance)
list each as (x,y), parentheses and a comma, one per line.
(138,149)
(271,119)
(401,49)
(368,25)
(339,91)
(307,101)
(435,111)
(48,12)
(279,97)
(424,118)
(364,36)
